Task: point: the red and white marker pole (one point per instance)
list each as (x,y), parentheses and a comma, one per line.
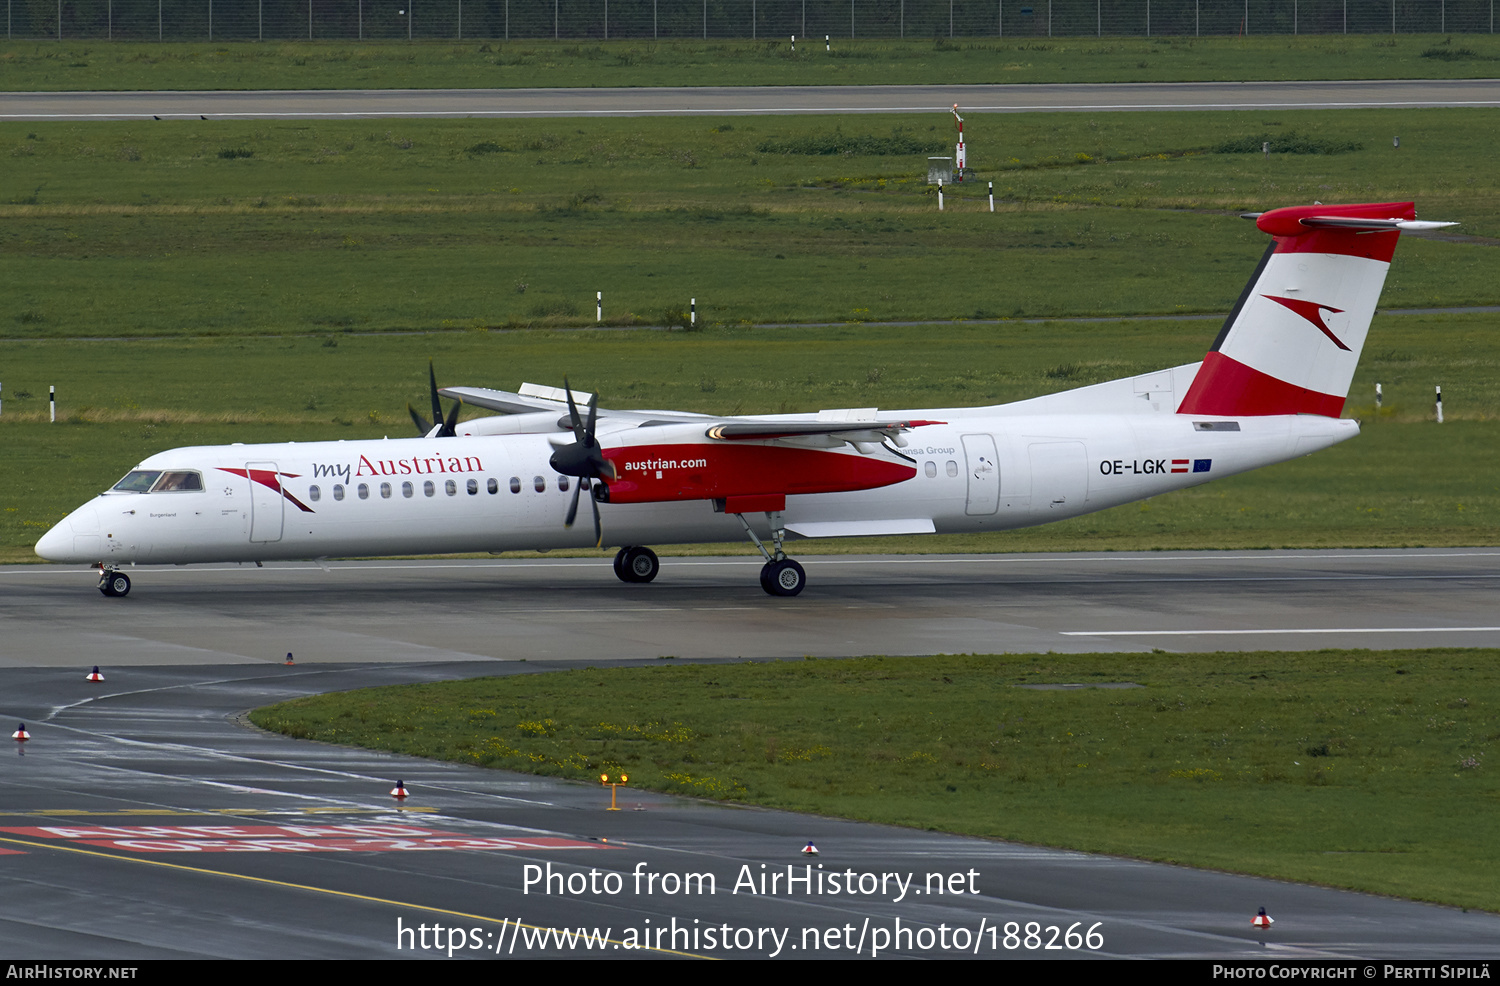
(960,159)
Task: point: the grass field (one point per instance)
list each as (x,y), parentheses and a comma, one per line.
(101,65)
(179,228)
(1404,481)
(1368,770)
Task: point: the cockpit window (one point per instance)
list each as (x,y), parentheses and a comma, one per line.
(136,481)
(178,482)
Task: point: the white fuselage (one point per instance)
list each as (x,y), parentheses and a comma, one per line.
(984,469)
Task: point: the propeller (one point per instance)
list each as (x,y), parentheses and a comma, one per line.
(584,459)
(423,426)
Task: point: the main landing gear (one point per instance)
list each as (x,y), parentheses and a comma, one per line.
(635,564)
(780,575)
(113,583)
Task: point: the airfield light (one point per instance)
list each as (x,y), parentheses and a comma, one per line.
(613,786)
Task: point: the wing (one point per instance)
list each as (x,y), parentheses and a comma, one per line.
(753,463)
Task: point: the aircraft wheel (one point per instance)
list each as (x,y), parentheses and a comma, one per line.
(620,565)
(639,565)
(782,578)
(115,584)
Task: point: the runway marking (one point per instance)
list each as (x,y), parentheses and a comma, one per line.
(681,562)
(212,754)
(287,838)
(561,112)
(1195,633)
(503,922)
(208,812)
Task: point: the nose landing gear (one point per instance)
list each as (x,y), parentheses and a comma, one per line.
(113,583)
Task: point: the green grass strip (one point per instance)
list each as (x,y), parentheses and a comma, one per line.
(1359,769)
(97,64)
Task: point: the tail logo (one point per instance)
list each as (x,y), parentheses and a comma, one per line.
(1313,312)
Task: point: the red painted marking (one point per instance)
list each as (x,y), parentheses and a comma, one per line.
(1313,312)
(334,845)
(710,471)
(12,852)
(1179,465)
(1226,386)
(268,479)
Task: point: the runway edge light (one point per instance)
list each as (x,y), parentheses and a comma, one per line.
(1262,920)
(399,791)
(20,735)
(94,675)
(809,849)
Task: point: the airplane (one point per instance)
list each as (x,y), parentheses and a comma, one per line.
(1271,388)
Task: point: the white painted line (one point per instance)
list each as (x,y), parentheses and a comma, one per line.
(1195,633)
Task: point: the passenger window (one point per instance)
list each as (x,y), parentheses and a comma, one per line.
(364,491)
(473,486)
(314,494)
(493,485)
(562,483)
(515,484)
(406,490)
(385,491)
(930,469)
(338,491)
(952,468)
(428,489)
(451,488)
(540,482)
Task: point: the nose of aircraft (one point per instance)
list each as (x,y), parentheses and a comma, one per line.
(56,543)
(62,542)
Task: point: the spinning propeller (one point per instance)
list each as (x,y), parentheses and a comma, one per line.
(583,458)
(445,429)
